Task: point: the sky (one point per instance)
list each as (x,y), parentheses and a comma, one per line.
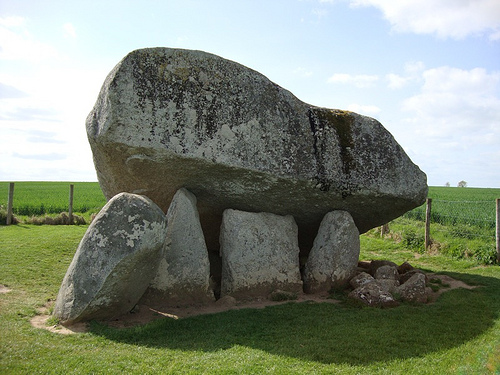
(428,70)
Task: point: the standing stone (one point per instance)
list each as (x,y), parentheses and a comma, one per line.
(115,261)
(334,256)
(183,275)
(260,254)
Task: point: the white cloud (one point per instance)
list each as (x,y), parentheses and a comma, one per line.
(364,109)
(396,81)
(446,18)
(12,21)
(16,43)
(69,30)
(413,71)
(414,67)
(319,13)
(360,81)
(454,119)
(456,96)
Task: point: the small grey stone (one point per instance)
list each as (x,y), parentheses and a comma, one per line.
(405,267)
(406,276)
(371,294)
(376,264)
(387,272)
(361,279)
(388,285)
(414,289)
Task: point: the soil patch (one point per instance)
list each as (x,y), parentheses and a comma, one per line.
(446,283)
(4,289)
(143,314)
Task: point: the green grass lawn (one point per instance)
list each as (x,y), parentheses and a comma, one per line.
(459,334)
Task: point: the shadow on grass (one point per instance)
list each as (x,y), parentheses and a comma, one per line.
(331,333)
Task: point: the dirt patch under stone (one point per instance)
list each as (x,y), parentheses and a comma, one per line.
(4,289)
(446,283)
(40,321)
(143,314)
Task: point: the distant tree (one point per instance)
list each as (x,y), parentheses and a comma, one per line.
(462,184)
(447,184)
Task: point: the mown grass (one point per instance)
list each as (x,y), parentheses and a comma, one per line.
(460,333)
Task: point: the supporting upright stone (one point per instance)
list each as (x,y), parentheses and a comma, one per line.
(183,276)
(334,256)
(115,261)
(260,254)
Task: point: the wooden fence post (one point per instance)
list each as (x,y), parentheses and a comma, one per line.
(384,229)
(70,209)
(498,230)
(428,224)
(10,203)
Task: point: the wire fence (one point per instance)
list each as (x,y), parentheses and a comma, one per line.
(465,228)
(480,214)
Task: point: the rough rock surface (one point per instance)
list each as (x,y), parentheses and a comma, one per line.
(361,279)
(403,278)
(170,118)
(260,254)
(183,275)
(333,259)
(410,285)
(376,264)
(372,294)
(115,261)
(387,272)
(388,285)
(414,289)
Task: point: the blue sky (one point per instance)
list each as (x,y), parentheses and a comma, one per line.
(429,70)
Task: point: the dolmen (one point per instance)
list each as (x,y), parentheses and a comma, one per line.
(247,175)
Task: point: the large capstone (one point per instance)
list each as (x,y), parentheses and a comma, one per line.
(115,261)
(170,118)
(260,254)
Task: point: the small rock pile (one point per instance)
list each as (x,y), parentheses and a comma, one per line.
(382,283)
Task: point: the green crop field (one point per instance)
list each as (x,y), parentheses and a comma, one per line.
(40,198)
(463,194)
(451,205)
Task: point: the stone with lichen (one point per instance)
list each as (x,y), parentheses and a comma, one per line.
(115,261)
(170,118)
